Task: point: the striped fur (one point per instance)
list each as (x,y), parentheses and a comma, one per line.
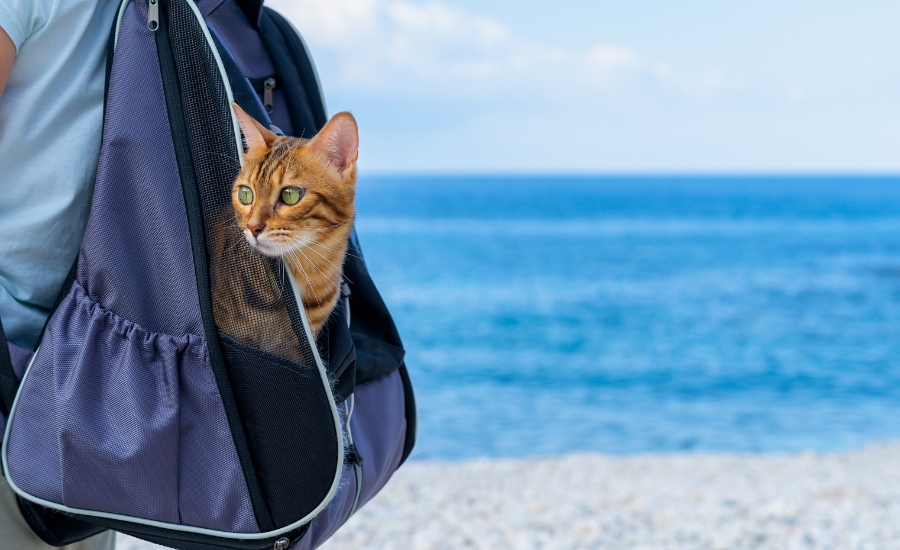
(310,236)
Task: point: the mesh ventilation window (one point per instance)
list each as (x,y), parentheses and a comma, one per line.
(252,299)
(283,405)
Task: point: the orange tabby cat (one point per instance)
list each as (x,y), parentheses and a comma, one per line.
(293,199)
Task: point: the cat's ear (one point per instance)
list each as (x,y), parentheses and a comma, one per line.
(338,141)
(257,135)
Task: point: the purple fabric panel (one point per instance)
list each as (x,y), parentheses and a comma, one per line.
(212,491)
(136,257)
(327,522)
(281,117)
(207,6)
(117,419)
(379,417)
(249,52)
(33,451)
(120,412)
(118,388)
(242,40)
(379,431)
(20,358)
(110,389)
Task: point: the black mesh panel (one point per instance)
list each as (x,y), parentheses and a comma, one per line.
(280,397)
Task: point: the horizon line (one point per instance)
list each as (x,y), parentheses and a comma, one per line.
(633,174)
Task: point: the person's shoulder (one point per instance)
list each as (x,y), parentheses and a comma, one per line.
(22,18)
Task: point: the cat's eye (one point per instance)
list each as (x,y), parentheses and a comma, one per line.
(245,195)
(290,195)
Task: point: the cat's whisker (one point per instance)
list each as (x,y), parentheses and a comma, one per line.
(327,278)
(307,240)
(236,163)
(308,280)
(317,243)
(264,175)
(230,248)
(237,242)
(227,230)
(225,224)
(225,221)
(324,257)
(279,263)
(284,256)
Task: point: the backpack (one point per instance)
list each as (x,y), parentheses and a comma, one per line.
(135,412)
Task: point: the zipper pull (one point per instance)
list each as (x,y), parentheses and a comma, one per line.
(268,101)
(345,292)
(353,456)
(153,15)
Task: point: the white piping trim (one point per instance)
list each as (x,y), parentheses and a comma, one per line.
(119,22)
(328,393)
(357,468)
(215,51)
(321,367)
(154,523)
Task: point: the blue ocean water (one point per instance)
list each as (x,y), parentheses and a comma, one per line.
(545,315)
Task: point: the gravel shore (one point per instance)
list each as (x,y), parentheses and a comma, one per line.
(847,501)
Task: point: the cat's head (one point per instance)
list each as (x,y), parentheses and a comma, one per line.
(292,192)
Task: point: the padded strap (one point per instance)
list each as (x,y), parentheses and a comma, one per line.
(296,73)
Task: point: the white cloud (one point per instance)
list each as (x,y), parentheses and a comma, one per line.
(436,87)
(402,48)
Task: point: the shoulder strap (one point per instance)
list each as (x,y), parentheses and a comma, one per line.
(298,76)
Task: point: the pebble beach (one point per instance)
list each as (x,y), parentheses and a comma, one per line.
(848,501)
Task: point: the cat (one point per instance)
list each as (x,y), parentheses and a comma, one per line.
(293,199)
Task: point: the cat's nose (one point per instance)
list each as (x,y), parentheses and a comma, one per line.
(256,229)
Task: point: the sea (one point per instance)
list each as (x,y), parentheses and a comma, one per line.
(545,315)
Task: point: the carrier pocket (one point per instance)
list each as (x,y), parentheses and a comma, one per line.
(288,418)
(108,413)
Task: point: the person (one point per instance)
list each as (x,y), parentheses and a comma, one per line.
(52,78)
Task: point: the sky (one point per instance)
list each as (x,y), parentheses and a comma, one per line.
(602,86)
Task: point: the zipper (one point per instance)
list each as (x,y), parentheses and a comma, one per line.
(354,458)
(153,15)
(268,100)
(191,190)
(345,293)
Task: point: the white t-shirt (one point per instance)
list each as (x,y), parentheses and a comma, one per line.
(50,129)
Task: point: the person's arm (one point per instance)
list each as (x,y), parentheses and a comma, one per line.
(7,56)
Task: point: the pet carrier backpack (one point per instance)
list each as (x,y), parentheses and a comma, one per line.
(135,412)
